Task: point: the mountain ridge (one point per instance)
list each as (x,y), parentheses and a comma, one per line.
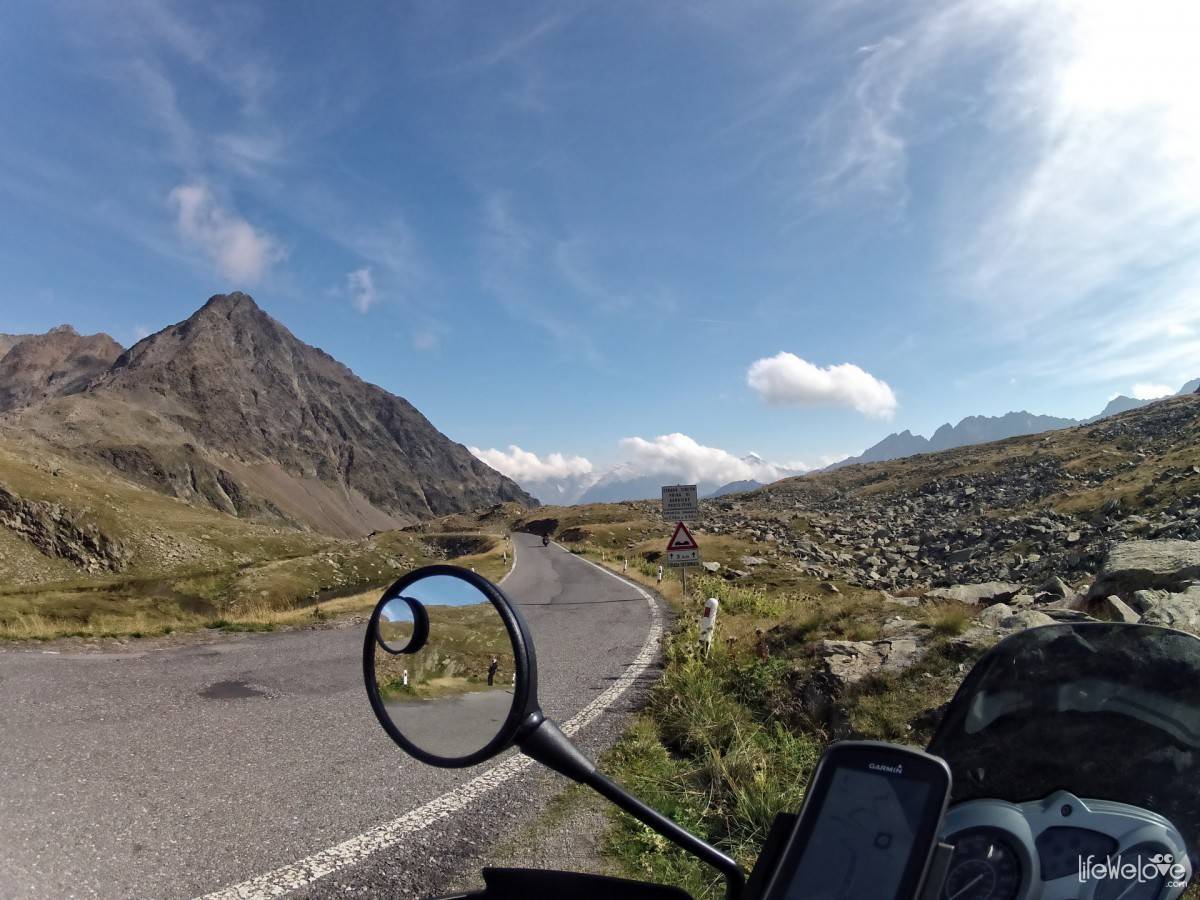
(229,409)
(61,361)
(973,430)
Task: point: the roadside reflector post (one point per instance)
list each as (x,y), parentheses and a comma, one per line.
(406,677)
(624,564)
(660,574)
(708,623)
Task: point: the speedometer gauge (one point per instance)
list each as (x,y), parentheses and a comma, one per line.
(984,867)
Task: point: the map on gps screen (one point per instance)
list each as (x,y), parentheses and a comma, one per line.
(868,825)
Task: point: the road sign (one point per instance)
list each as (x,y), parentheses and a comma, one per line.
(681,558)
(682,539)
(680,503)
(682,549)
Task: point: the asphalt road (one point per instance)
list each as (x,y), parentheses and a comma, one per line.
(172,772)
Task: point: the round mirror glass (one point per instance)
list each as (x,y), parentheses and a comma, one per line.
(444,666)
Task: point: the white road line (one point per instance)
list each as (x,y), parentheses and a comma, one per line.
(286,879)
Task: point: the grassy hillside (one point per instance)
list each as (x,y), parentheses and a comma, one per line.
(189,567)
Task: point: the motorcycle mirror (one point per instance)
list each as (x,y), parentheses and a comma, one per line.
(452,677)
(447,666)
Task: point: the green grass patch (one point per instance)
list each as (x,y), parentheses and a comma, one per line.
(710,753)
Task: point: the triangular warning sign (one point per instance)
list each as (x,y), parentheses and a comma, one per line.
(682,539)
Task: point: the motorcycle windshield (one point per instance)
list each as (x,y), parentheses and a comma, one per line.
(1106,711)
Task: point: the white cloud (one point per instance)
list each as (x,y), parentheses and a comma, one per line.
(523,466)
(140,332)
(682,457)
(1146,391)
(238,250)
(787,380)
(361,286)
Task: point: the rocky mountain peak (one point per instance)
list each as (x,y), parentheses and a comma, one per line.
(246,417)
(53,364)
(234,307)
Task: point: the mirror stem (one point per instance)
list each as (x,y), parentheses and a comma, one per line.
(544,741)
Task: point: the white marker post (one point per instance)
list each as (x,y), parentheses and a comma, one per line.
(406,677)
(708,623)
(660,574)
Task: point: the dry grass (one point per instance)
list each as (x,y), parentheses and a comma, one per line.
(343,578)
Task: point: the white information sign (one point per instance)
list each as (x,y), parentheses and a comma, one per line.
(680,503)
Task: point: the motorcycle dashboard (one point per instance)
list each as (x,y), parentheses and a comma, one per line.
(1062,848)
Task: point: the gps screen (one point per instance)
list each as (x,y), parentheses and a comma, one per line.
(868,824)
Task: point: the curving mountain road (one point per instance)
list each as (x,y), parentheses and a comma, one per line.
(253,767)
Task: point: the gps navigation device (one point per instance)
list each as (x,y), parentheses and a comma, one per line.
(868,826)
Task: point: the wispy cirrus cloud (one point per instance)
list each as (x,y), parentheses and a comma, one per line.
(512,253)
(1074,197)
(361,287)
(237,249)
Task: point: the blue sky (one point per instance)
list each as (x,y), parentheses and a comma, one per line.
(593,229)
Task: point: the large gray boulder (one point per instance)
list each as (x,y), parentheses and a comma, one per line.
(842,664)
(1178,609)
(1147,565)
(1003,618)
(977,594)
(849,662)
(1115,609)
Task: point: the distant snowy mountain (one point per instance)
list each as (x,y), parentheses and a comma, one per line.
(629,481)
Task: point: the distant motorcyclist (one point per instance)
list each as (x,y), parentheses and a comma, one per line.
(545,540)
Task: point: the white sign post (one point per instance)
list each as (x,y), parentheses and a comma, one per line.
(680,503)
(708,623)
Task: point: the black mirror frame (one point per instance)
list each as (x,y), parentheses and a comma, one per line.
(420,632)
(525,662)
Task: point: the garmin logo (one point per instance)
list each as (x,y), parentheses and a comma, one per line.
(897,769)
